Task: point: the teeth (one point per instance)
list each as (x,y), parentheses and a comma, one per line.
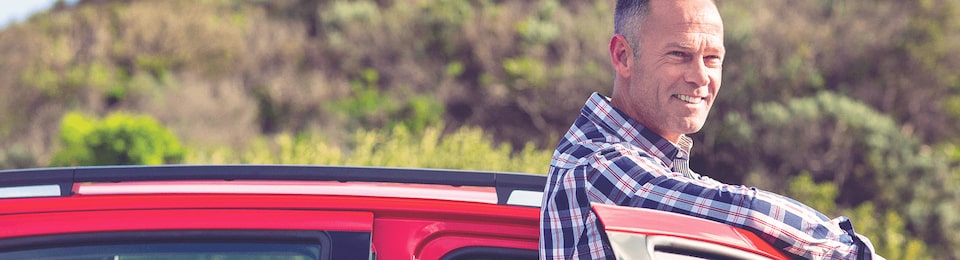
(689,99)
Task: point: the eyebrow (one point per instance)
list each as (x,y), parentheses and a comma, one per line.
(681,45)
(686,45)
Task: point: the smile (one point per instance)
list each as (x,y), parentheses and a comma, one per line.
(689,99)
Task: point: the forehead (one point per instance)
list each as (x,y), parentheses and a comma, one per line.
(684,16)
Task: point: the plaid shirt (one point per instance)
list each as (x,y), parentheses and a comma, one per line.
(609,158)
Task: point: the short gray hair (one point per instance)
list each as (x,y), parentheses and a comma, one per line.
(629,14)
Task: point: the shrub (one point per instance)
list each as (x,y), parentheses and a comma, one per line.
(466,148)
(120,138)
(17,158)
(885,229)
(836,139)
(370,107)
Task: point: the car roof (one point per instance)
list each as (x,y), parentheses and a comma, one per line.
(364,189)
(494,187)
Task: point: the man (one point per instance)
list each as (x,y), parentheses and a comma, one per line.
(631,149)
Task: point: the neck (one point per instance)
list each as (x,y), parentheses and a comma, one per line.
(628,109)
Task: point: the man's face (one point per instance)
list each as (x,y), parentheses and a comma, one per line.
(676,77)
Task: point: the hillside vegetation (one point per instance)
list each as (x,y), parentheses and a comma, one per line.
(852,107)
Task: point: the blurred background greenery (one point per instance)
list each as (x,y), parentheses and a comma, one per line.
(849,106)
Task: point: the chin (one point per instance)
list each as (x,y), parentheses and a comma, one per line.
(691,129)
(694,124)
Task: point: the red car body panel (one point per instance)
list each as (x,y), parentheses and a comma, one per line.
(402,227)
(183,219)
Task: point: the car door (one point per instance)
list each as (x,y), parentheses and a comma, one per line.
(645,234)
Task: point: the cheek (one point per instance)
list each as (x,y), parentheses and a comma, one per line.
(715,81)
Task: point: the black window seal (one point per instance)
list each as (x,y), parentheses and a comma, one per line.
(159,236)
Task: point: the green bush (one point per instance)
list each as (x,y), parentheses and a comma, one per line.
(466,148)
(118,139)
(836,139)
(370,107)
(885,229)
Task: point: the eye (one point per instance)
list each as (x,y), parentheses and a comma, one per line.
(677,54)
(712,59)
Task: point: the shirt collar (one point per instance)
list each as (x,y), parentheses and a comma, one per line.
(601,112)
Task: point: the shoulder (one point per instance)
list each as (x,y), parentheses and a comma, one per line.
(596,159)
(611,174)
(625,154)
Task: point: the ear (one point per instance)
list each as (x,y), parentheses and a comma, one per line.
(621,55)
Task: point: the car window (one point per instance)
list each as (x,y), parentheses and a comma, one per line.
(189,250)
(640,246)
(686,254)
(491,253)
(638,233)
(200,245)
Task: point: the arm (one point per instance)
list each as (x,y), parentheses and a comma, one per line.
(785,223)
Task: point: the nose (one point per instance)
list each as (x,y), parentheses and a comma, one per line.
(697,73)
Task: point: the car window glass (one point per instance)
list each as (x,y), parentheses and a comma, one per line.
(192,250)
(491,253)
(200,245)
(681,254)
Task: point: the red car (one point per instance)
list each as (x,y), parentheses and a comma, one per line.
(316,212)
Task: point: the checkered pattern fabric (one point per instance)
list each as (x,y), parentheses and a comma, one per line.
(609,158)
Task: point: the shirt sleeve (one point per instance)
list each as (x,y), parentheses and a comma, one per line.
(627,177)
(569,229)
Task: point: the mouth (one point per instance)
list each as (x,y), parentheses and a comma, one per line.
(690,99)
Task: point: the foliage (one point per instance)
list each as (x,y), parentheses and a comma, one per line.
(481,59)
(886,230)
(370,107)
(892,55)
(223,73)
(119,138)
(817,196)
(836,139)
(887,233)
(466,148)
(17,158)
